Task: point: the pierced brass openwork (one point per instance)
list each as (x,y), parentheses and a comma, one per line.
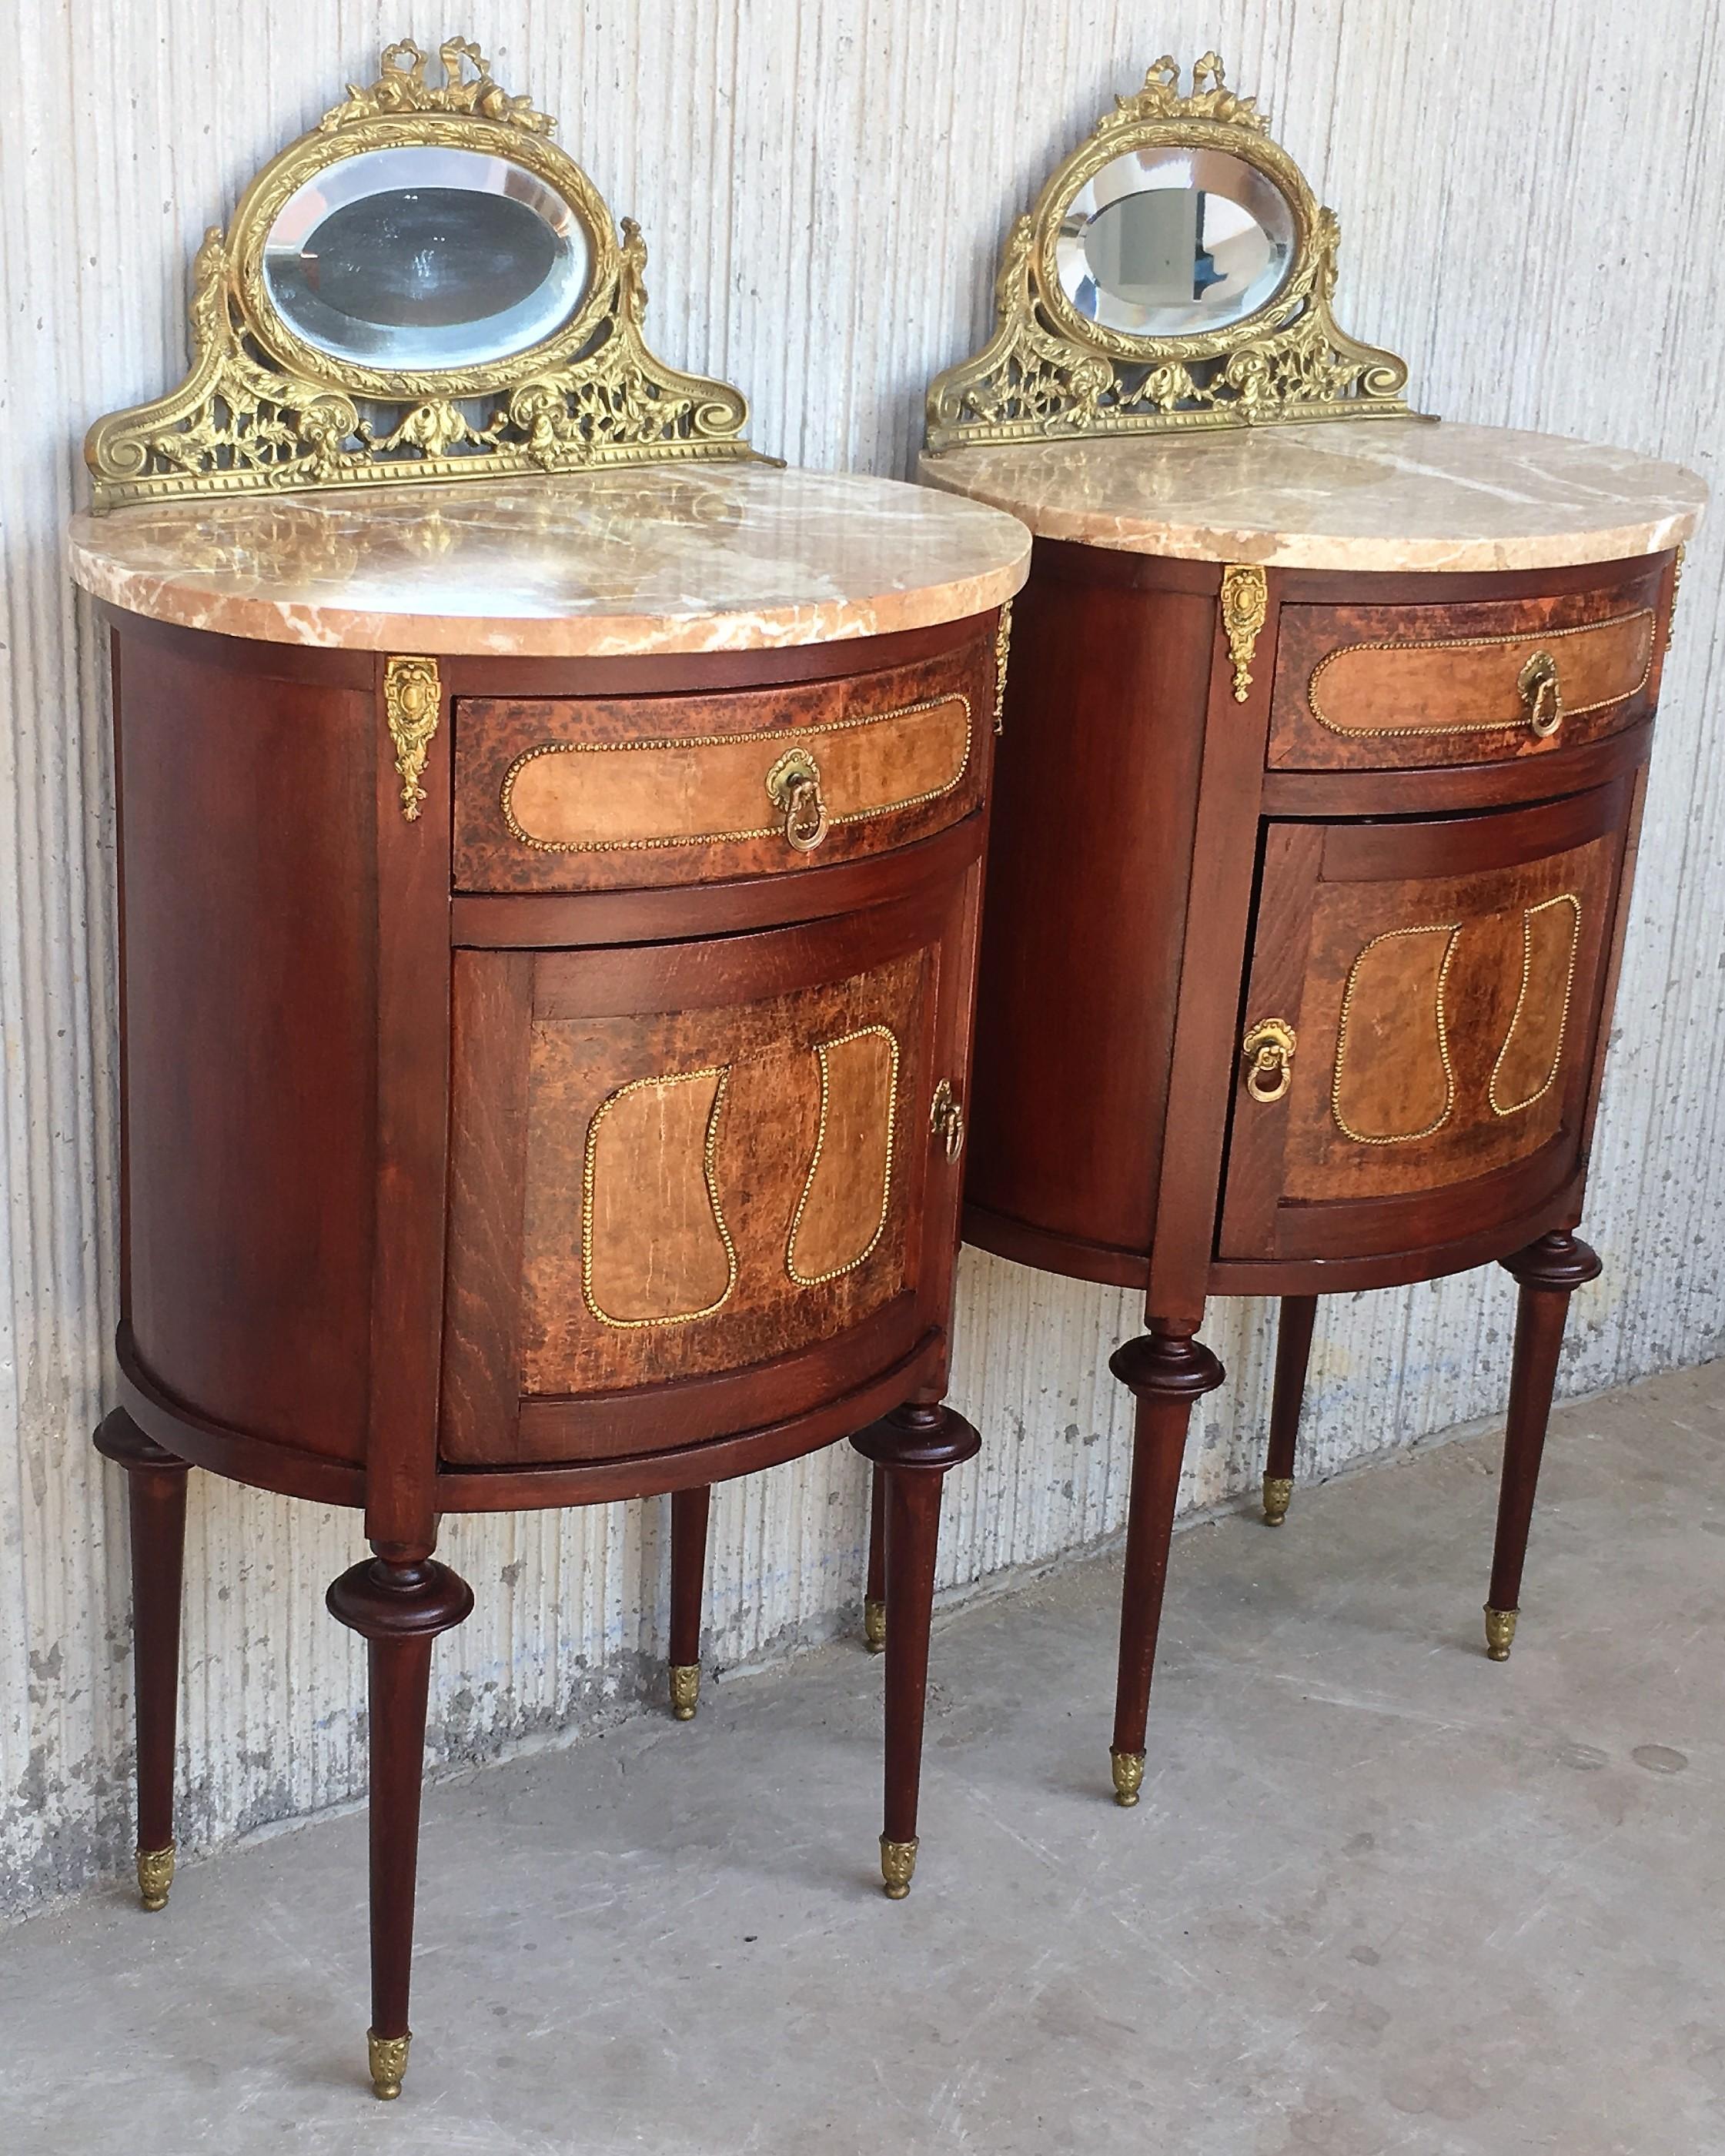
(1176,272)
(425,287)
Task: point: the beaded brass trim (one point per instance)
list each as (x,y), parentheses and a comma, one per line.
(721,1071)
(1515,725)
(821,1049)
(1452,929)
(1564,898)
(774,740)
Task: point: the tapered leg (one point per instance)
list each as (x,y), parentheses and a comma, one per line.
(156,1492)
(875,1595)
(1293,1351)
(914,1446)
(1548,1272)
(689,1517)
(399,1610)
(1167,1373)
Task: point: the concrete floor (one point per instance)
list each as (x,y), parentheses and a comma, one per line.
(1380,1895)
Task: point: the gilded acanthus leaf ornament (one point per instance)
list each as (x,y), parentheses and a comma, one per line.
(1052,371)
(262,409)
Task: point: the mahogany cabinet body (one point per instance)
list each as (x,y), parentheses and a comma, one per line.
(1361,823)
(578,1136)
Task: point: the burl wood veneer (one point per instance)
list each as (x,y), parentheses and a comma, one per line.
(1308,890)
(544,1075)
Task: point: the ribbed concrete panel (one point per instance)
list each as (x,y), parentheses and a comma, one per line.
(823,185)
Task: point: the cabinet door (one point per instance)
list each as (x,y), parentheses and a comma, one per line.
(1442,981)
(695,1188)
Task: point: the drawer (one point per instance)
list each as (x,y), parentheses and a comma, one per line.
(1385,688)
(606,792)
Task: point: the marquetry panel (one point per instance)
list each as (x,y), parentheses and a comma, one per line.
(1386,687)
(1442,979)
(608,792)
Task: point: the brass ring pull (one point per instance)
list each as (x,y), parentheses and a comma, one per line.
(946,1119)
(1542,696)
(793,787)
(1268,1052)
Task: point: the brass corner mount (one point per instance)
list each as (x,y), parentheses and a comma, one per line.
(1073,357)
(276,403)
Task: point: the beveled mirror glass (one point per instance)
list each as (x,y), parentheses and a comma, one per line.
(1176,272)
(1170,242)
(418,256)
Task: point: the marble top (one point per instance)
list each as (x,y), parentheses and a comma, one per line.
(1366,494)
(721,556)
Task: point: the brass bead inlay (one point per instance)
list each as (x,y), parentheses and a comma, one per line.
(1452,929)
(156,1876)
(898,1864)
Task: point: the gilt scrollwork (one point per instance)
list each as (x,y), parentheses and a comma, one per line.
(262,410)
(1049,373)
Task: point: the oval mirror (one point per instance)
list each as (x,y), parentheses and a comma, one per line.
(1174,242)
(421,259)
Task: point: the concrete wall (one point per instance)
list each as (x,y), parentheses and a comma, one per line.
(1530,197)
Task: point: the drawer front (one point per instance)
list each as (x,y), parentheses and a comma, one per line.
(674,1164)
(608,792)
(1438,985)
(1383,688)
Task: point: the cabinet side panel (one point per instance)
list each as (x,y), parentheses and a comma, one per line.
(249,988)
(1095,792)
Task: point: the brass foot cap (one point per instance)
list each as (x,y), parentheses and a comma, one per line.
(1500,1631)
(898,1866)
(875,1625)
(1278,1496)
(156,1875)
(685,1689)
(388,2057)
(1128,1776)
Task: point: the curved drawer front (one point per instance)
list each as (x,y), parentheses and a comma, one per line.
(1389,687)
(621,792)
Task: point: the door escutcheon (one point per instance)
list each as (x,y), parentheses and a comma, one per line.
(1542,694)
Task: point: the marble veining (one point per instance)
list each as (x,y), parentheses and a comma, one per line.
(1385,494)
(665,558)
